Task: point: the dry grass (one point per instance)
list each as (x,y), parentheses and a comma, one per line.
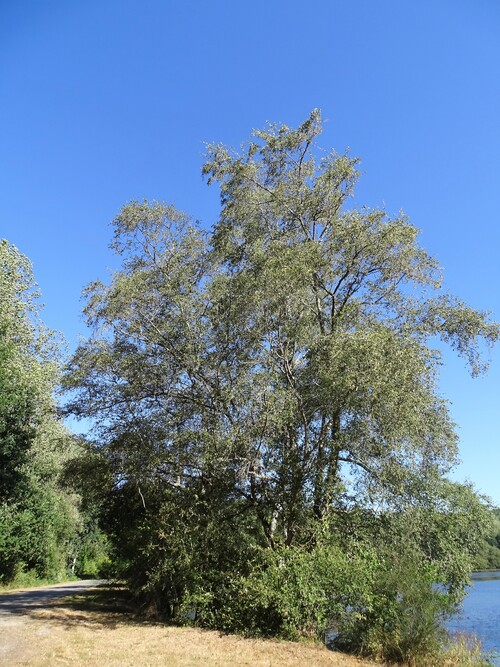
(88,630)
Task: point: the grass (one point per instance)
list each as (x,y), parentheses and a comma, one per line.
(465,651)
(98,628)
(29,579)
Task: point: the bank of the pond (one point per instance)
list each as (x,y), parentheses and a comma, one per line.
(65,633)
(40,631)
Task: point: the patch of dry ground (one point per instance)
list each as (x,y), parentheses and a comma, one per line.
(75,634)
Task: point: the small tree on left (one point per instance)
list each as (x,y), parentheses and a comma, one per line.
(39,519)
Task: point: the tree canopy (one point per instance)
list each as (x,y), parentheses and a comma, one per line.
(270,387)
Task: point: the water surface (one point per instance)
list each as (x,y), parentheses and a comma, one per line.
(480,614)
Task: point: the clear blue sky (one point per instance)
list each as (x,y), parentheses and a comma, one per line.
(105,101)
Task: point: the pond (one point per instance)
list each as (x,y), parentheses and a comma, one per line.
(480,614)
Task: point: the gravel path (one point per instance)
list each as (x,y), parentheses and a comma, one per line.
(18,631)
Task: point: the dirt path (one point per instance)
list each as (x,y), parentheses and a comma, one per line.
(19,631)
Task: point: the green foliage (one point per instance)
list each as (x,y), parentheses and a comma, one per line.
(403,621)
(289,592)
(264,395)
(488,556)
(40,521)
(92,558)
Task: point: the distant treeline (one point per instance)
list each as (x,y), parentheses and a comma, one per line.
(488,557)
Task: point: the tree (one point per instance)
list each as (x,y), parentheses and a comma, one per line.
(39,520)
(22,380)
(274,377)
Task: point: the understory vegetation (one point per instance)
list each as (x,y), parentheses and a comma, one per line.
(270,451)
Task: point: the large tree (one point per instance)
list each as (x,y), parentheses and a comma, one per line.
(276,377)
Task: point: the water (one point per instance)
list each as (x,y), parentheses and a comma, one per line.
(480,613)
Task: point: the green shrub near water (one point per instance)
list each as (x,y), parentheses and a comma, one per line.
(291,593)
(358,603)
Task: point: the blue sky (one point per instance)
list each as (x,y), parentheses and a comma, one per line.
(103,102)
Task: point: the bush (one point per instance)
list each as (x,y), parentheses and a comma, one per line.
(404,622)
(289,592)
(390,609)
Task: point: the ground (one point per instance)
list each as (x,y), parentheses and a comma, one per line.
(40,630)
